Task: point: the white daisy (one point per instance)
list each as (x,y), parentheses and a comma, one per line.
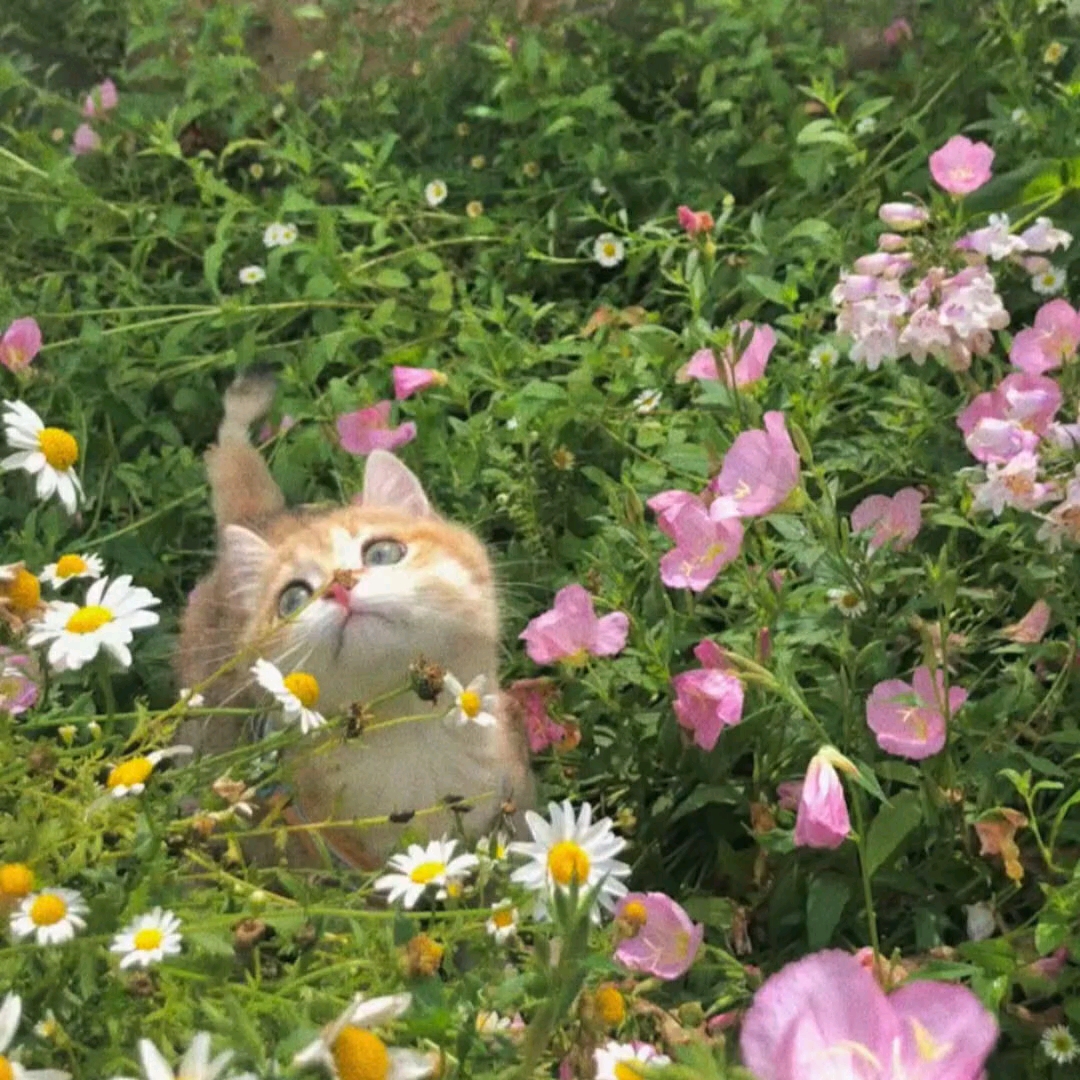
(492,848)
(129,777)
(10,1014)
(52,916)
(252,275)
(848,602)
(297,694)
(471,704)
(489,1022)
(608,250)
(648,401)
(349,1050)
(613,1061)
(866,126)
(113,610)
(502,923)
(148,939)
(196,1064)
(190,699)
(1049,282)
(1059,1045)
(278,234)
(512,424)
(435,193)
(47,453)
(420,868)
(597,186)
(568,848)
(69,567)
(824,354)
(289,235)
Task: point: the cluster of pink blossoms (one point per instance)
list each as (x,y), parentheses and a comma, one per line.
(100,101)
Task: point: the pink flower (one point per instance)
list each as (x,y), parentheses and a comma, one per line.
(788,794)
(739,370)
(908,719)
(695,221)
(903,216)
(1050,342)
(897,31)
(1050,967)
(408,380)
(18,691)
(961,166)
(710,698)
(1044,237)
(20,344)
(825,1015)
(665,944)
(704,544)
(369,429)
(268,430)
(532,697)
(897,519)
(1014,484)
(85,140)
(822,820)
(101,99)
(571,630)
(760,470)
(666,505)
(1032,627)
(1002,423)
(892,242)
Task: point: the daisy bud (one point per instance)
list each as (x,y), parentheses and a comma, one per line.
(426,679)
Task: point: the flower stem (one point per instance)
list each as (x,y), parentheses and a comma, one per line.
(868,895)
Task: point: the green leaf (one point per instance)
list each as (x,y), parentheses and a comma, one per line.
(771,290)
(825,902)
(393,279)
(887,831)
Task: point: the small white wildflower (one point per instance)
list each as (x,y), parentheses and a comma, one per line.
(502,923)
(296,693)
(866,126)
(46,453)
(420,868)
(252,275)
(129,777)
(69,567)
(848,603)
(435,193)
(648,401)
(608,250)
(824,354)
(10,1067)
(51,916)
(1059,1045)
(512,424)
(597,187)
(1050,282)
(148,939)
(471,704)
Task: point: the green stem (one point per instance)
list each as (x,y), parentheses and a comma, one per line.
(106,688)
(868,896)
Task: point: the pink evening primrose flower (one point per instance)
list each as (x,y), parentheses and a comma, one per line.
(532,696)
(708,699)
(741,370)
(571,630)
(18,691)
(666,505)
(85,140)
(760,470)
(369,429)
(695,221)
(895,520)
(961,166)
(1050,342)
(410,380)
(1014,484)
(822,819)
(825,1016)
(908,719)
(705,543)
(20,344)
(666,940)
(101,99)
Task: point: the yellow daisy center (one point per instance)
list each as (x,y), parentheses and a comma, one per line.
(359,1055)
(635,914)
(503,918)
(60,449)
(469,703)
(303,687)
(6,1071)
(567,861)
(427,872)
(16,881)
(23,592)
(88,619)
(69,565)
(611,1006)
(850,600)
(148,939)
(47,910)
(625,1071)
(130,773)
(609,250)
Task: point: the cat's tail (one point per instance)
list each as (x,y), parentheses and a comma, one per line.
(242,490)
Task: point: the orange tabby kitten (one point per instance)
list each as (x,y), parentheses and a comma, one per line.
(414,585)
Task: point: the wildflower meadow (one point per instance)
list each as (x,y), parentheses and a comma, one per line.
(745,336)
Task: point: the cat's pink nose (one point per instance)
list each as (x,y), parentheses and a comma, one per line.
(339,594)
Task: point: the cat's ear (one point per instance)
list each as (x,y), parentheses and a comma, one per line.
(246,556)
(389,483)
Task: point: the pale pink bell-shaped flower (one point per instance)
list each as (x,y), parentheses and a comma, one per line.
(1050,342)
(895,520)
(710,698)
(665,943)
(1014,484)
(822,820)
(1032,627)
(85,140)
(826,1017)
(908,719)
(410,380)
(18,691)
(892,242)
(760,470)
(20,344)
(1001,423)
(532,697)
(101,99)
(1044,237)
(903,216)
(695,221)
(961,166)
(704,545)
(571,630)
(369,429)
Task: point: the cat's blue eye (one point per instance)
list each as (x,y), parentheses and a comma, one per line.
(383,552)
(293,597)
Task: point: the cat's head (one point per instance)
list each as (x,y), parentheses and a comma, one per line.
(355,594)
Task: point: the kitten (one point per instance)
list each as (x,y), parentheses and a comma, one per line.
(420,586)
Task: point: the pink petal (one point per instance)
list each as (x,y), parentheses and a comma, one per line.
(409,380)
(667,944)
(822,819)
(20,344)
(702,365)
(610,635)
